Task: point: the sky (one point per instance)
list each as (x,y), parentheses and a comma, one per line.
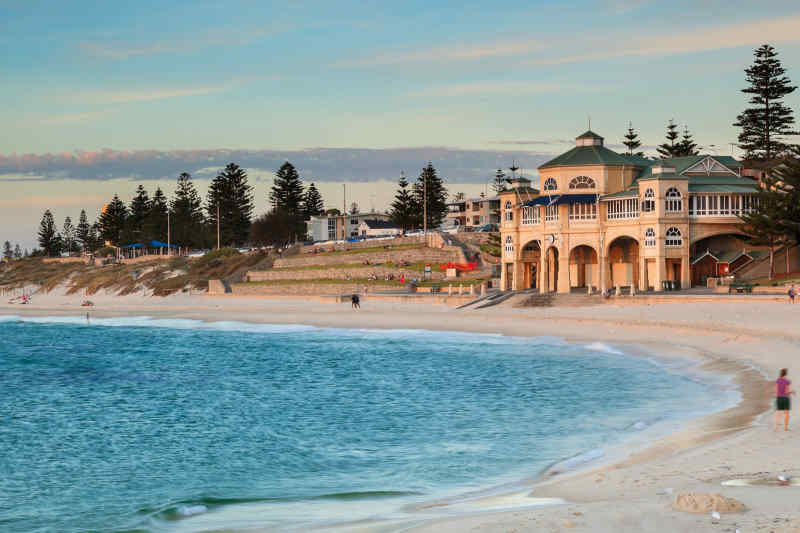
(101,96)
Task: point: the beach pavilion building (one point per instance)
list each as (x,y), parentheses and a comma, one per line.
(601,219)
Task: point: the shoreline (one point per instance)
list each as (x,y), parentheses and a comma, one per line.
(694,434)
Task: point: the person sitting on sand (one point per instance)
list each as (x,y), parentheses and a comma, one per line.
(783,389)
(354,302)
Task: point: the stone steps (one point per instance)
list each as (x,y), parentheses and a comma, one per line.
(556,300)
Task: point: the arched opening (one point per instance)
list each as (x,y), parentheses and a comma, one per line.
(582,182)
(550,185)
(531,259)
(583,271)
(673,202)
(623,258)
(551,270)
(718,256)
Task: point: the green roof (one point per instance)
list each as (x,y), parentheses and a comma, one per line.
(723,187)
(638,160)
(587,155)
(728,179)
(664,176)
(630,193)
(588,135)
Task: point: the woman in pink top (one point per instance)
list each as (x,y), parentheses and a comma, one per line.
(783,389)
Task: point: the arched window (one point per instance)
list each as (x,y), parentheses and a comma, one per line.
(509,245)
(550,185)
(649,202)
(509,212)
(674,204)
(582,182)
(673,237)
(649,237)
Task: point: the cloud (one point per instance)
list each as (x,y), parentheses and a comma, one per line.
(463,52)
(702,39)
(216,37)
(535,142)
(146,95)
(74,117)
(557,50)
(57,201)
(315,164)
(492,87)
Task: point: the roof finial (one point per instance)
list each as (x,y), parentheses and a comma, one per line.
(590,122)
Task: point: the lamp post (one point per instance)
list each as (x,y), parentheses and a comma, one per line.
(168,235)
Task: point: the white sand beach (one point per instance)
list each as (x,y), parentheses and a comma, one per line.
(747,339)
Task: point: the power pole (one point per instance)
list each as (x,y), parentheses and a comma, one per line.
(168,235)
(217,224)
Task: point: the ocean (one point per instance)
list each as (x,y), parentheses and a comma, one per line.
(156,425)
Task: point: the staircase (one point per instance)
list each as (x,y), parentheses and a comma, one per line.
(552,299)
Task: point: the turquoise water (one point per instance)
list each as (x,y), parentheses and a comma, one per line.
(175,425)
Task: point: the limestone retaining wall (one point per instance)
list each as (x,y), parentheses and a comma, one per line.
(244,289)
(412,255)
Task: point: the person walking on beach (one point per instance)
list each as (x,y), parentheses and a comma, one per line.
(792,293)
(354,300)
(783,389)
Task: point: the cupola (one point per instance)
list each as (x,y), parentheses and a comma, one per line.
(589,138)
(661,168)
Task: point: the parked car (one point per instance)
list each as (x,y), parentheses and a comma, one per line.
(413,233)
(487,228)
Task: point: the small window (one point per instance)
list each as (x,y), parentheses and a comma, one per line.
(649,237)
(582,182)
(649,202)
(674,204)
(353,221)
(509,245)
(509,212)
(673,237)
(550,185)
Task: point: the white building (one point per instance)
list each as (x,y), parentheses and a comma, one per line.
(339,227)
(379,228)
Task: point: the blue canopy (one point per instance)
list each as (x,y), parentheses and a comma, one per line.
(543,200)
(134,245)
(159,244)
(577,199)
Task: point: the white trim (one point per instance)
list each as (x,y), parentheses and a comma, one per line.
(708,165)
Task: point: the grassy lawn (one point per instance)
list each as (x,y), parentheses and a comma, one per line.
(394,247)
(779,279)
(420,266)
